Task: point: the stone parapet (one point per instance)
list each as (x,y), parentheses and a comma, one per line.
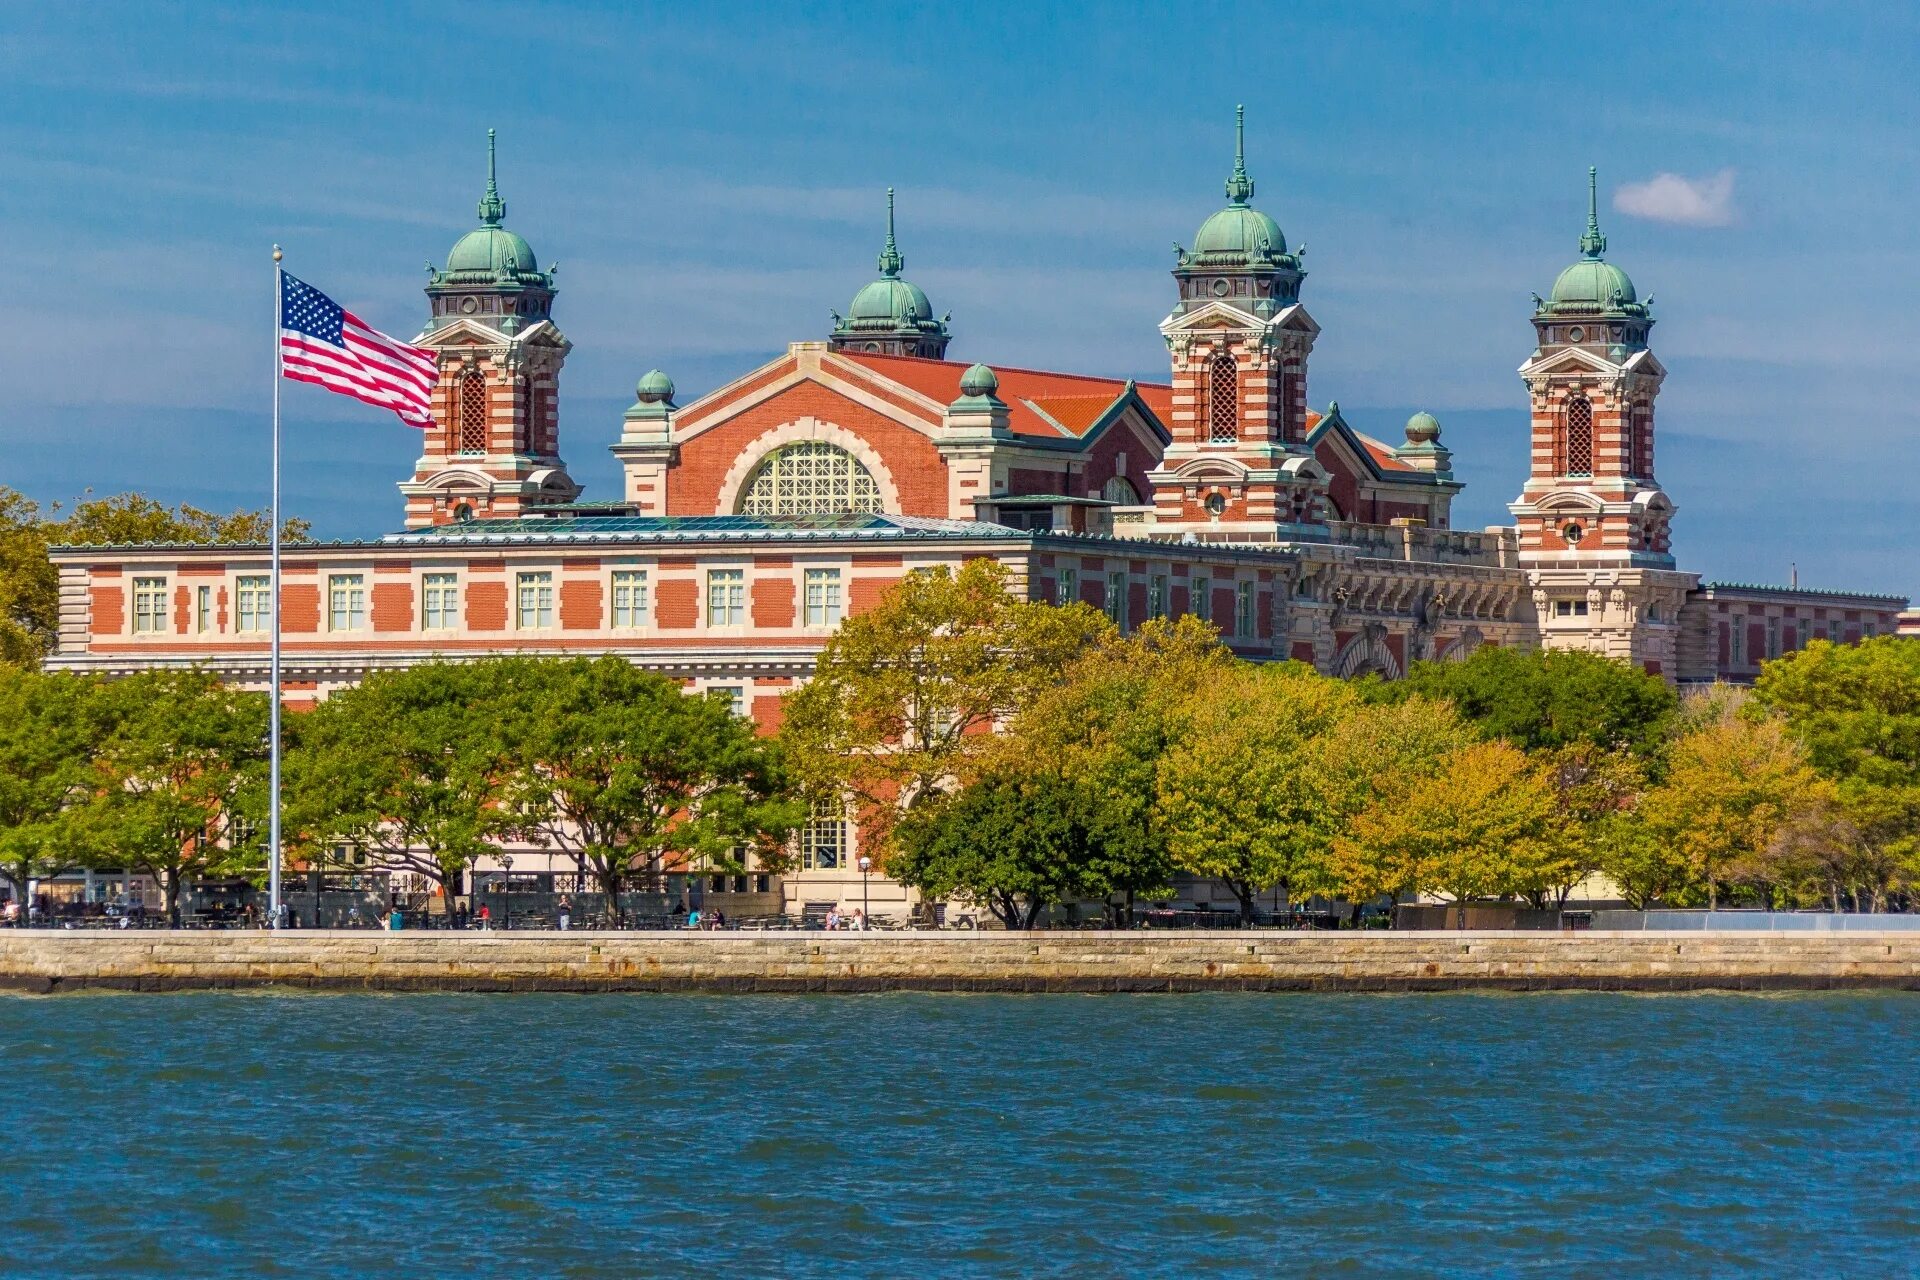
(50,961)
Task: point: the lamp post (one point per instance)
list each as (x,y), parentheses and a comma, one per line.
(506,890)
(866,866)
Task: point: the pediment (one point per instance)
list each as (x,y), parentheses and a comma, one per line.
(1569,360)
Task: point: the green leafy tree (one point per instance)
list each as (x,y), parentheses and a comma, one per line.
(1483,826)
(1856,709)
(1592,785)
(1546,699)
(905,694)
(1239,791)
(412,766)
(51,730)
(1018,844)
(624,771)
(1104,729)
(181,780)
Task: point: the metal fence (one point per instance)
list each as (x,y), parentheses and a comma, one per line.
(1757,921)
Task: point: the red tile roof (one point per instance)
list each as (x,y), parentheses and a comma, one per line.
(1039,403)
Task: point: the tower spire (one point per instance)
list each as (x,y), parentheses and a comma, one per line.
(1239,186)
(1593,244)
(492,207)
(890,259)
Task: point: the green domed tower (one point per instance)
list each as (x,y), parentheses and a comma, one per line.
(890,316)
(492,275)
(1239,255)
(1593,303)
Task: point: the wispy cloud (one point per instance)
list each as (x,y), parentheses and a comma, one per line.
(1690,202)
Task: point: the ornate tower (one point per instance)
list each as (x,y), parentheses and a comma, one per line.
(890,316)
(1239,469)
(1593,521)
(495,447)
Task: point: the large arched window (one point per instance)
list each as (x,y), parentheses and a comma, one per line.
(1120,490)
(473,414)
(809,477)
(1223,400)
(1579,449)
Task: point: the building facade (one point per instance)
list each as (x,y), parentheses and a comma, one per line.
(755,517)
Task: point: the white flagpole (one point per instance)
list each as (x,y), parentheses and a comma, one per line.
(273,665)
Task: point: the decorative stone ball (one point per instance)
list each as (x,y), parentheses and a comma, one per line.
(979,381)
(655,387)
(1423,428)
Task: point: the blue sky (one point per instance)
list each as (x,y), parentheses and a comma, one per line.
(710,179)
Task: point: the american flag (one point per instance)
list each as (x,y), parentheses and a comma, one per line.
(324,343)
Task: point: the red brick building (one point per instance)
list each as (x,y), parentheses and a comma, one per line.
(753,518)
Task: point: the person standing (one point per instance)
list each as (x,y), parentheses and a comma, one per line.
(564,910)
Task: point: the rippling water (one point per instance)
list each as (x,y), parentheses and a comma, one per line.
(298,1135)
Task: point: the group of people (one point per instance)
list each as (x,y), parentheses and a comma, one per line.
(856,920)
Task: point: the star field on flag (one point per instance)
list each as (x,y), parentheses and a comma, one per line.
(323,343)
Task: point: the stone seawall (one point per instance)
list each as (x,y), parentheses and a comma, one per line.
(50,961)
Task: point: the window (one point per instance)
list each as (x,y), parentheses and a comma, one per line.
(1243,609)
(346,602)
(823,598)
(726,597)
(1833,630)
(823,841)
(1157,596)
(252,604)
(1739,642)
(439,601)
(1570,608)
(629,597)
(1200,598)
(534,600)
(1579,460)
(1773,637)
(203,609)
(809,477)
(1223,400)
(1069,586)
(149,605)
(1867,629)
(736,696)
(473,414)
(1116,598)
(1121,490)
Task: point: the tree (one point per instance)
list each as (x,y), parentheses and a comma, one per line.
(622,769)
(1592,785)
(1546,699)
(29,584)
(1856,709)
(1730,786)
(1482,826)
(181,779)
(412,765)
(1104,729)
(1017,844)
(51,730)
(1238,791)
(905,693)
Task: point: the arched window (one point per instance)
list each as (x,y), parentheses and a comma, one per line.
(1223,400)
(1121,490)
(1579,449)
(473,414)
(807,478)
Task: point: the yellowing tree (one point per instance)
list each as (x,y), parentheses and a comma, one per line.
(1238,792)
(1732,784)
(1485,824)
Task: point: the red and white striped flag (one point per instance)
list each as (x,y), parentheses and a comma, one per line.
(323,343)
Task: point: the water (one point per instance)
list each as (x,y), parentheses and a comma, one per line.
(1471,1135)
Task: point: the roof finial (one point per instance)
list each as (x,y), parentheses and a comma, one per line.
(492,207)
(1593,244)
(890,259)
(1239,186)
